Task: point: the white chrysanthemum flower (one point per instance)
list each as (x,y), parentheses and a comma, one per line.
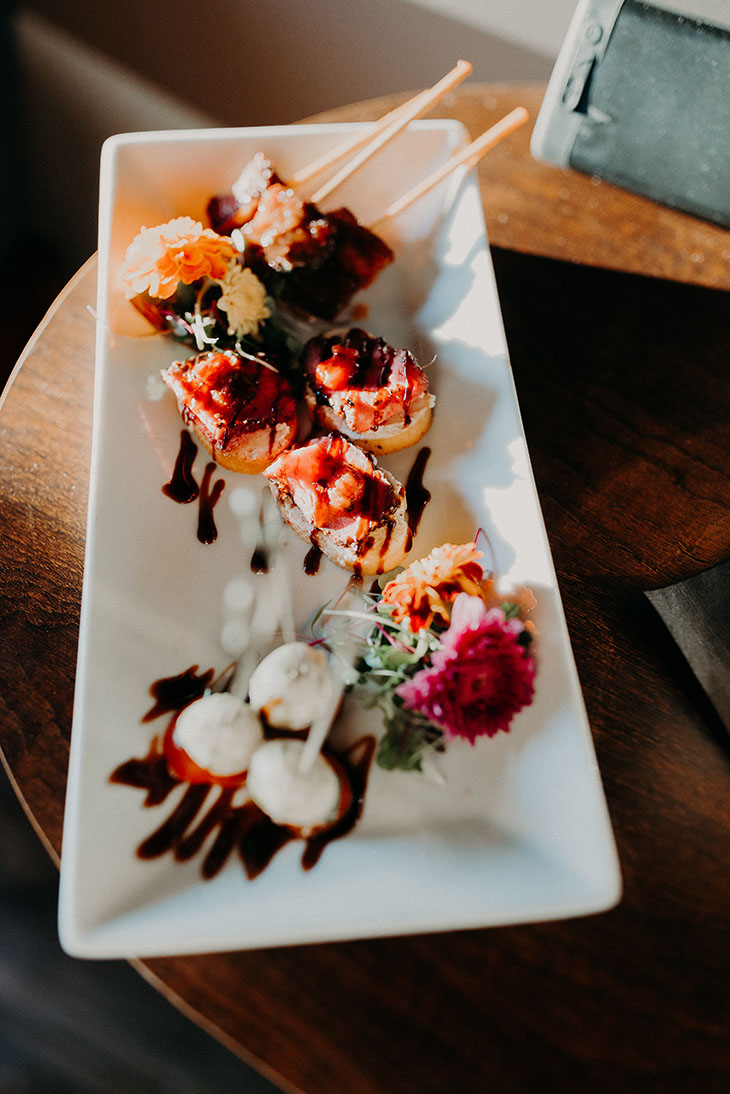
(243,299)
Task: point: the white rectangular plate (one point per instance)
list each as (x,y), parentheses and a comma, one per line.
(518,830)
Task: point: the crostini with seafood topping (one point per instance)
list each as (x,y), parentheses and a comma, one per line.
(374,394)
(241,409)
(334,496)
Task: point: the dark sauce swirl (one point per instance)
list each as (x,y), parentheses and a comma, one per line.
(209,495)
(183,487)
(417,496)
(312,559)
(172,693)
(204,809)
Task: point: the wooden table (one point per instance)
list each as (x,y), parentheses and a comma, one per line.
(620,355)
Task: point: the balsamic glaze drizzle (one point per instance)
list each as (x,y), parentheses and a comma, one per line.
(260,561)
(183,487)
(204,809)
(209,495)
(417,496)
(172,693)
(312,560)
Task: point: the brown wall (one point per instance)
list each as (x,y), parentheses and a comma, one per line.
(258,62)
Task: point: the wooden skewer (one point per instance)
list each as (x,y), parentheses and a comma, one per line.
(341,675)
(417,106)
(467,157)
(331,158)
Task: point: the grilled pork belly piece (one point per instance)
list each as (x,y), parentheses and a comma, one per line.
(334,496)
(241,409)
(314,261)
(374,394)
(355,259)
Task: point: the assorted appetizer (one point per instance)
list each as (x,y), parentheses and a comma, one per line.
(220,290)
(316,261)
(336,497)
(241,409)
(444,657)
(268,241)
(212,740)
(252,787)
(436,649)
(308,803)
(375,395)
(291,686)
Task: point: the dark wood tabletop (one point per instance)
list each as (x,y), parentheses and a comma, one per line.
(617,317)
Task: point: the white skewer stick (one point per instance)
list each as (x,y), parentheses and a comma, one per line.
(342,673)
(276,580)
(414,109)
(329,160)
(269,608)
(332,158)
(320,728)
(467,157)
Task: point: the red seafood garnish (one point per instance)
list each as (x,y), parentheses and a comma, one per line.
(183,767)
(229,395)
(289,231)
(333,483)
(335,372)
(367,382)
(230,211)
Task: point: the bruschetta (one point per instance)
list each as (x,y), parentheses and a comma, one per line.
(334,496)
(240,408)
(372,393)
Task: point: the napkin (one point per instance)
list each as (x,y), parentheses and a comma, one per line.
(696,612)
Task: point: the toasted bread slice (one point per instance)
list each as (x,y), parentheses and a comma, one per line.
(382,440)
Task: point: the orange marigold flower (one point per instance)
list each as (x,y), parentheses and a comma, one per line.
(158,259)
(426,590)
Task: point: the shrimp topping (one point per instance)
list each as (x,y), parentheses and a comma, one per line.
(241,408)
(365,381)
(335,485)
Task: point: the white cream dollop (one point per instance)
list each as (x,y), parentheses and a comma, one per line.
(292,686)
(219,733)
(289,797)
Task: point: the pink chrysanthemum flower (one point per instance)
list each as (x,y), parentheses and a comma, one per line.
(480,677)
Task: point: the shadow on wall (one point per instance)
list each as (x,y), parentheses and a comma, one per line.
(90,70)
(253,63)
